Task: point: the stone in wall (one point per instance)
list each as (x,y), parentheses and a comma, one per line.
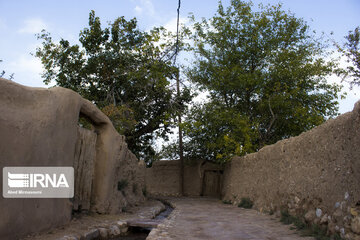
(316,175)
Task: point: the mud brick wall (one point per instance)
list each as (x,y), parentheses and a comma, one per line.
(162,179)
(315,175)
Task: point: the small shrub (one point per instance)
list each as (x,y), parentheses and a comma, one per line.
(337,237)
(314,230)
(299,224)
(134,188)
(245,203)
(144,191)
(226,201)
(122,184)
(286,218)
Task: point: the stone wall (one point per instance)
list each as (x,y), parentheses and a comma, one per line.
(315,175)
(162,179)
(39,127)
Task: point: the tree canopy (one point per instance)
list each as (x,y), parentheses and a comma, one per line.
(126,72)
(352,53)
(265,72)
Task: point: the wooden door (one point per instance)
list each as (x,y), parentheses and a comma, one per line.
(212,183)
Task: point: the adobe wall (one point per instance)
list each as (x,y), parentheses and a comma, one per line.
(162,179)
(84,168)
(39,127)
(316,175)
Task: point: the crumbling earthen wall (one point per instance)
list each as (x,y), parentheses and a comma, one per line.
(84,168)
(39,127)
(315,175)
(127,171)
(163,178)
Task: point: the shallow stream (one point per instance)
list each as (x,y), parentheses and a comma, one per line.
(139,233)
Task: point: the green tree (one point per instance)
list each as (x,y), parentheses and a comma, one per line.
(265,73)
(352,52)
(126,72)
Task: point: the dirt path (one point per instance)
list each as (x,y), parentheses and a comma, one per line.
(204,218)
(82,224)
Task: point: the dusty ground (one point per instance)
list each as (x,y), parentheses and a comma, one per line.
(205,218)
(83,223)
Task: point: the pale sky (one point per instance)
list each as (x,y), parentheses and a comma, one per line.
(20,20)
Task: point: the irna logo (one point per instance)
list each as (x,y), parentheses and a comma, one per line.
(19,180)
(38,182)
